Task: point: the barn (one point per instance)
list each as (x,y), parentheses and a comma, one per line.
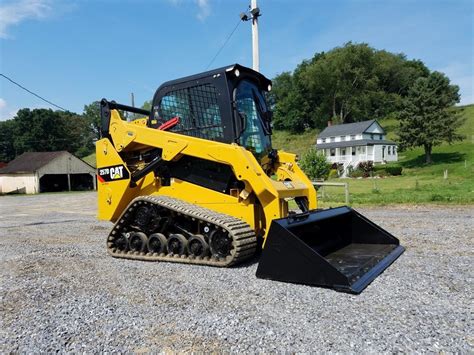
(35,172)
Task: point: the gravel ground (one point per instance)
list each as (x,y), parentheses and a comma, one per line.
(59,290)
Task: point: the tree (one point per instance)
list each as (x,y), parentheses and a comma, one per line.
(45,130)
(147,105)
(315,165)
(428,117)
(351,83)
(7,150)
(92,116)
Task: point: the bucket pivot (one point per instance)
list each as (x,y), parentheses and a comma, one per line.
(336,248)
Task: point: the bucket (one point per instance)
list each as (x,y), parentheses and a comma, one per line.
(336,248)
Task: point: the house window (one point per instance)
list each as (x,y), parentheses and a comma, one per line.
(333,139)
(333,152)
(353,137)
(323,140)
(381,137)
(353,151)
(343,138)
(371,136)
(389,150)
(343,151)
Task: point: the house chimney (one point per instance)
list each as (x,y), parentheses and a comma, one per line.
(329,123)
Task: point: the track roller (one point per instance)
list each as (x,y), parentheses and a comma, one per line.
(138,241)
(197,246)
(157,243)
(177,244)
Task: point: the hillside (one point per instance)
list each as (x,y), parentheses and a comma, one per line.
(420,183)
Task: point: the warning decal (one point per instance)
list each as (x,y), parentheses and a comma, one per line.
(112,173)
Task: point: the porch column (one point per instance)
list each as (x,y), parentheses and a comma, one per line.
(69,182)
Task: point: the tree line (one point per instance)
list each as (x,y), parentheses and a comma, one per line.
(356,82)
(351,83)
(43,130)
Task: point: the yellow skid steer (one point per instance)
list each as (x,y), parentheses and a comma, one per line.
(195,180)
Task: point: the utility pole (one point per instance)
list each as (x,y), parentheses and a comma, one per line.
(254,15)
(255,11)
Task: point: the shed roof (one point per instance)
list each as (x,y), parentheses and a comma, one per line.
(346,129)
(30,162)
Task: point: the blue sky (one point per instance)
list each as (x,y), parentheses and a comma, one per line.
(75,52)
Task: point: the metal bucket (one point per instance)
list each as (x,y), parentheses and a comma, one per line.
(336,248)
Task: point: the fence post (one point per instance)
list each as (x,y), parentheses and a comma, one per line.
(346,192)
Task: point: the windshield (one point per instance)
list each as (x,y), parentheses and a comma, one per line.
(253,112)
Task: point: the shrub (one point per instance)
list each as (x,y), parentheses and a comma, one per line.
(366,167)
(315,165)
(355,173)
(333,173)
(393,170)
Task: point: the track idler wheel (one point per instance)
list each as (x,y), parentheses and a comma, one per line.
(220,243)
(197,246)
(157,243)
(121,243)
(138,241)
(177,244)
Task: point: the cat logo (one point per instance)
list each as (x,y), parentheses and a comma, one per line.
(112,173)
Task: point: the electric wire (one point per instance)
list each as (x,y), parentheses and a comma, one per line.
(32,93)
(224,44)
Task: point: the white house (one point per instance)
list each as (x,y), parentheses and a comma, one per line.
(35,172)
(351,143)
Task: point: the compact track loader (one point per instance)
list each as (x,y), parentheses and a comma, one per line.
(196,181)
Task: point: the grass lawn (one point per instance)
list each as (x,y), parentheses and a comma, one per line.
(420,183)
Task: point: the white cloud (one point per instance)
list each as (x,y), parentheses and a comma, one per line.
(204,9)
(6,112)
(16,12)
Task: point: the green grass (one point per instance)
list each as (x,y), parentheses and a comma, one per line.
(420,183)
(90,159)
(292,143)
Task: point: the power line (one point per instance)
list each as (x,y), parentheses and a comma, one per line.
(32,93)
(223,45)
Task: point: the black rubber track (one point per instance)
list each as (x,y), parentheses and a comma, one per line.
(244,242)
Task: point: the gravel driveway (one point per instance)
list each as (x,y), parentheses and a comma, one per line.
(59,290)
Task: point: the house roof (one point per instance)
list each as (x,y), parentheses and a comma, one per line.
(346,129)
(30,162)
(354,143)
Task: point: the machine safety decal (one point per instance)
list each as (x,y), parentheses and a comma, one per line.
(112,173)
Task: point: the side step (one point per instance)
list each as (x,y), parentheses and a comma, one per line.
(336,248)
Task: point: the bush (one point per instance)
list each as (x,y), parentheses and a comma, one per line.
(333,173)
(393,170)
(355,173)
(366,167)
(315,165)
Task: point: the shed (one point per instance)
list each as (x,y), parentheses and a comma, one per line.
(35,172)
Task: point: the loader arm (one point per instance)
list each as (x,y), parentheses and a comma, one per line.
(271,194)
